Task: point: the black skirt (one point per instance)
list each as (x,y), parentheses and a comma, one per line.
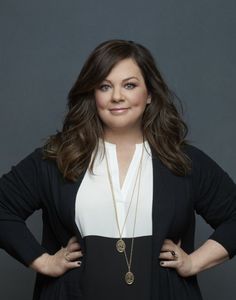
(104,269)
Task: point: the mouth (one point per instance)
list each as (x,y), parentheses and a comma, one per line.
(118,110)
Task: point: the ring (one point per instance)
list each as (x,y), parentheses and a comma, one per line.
(174,254)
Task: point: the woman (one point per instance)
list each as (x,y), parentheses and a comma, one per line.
(118,187)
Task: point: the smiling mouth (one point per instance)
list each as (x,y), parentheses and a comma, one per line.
(120,108)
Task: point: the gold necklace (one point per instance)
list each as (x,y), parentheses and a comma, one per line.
(120,245)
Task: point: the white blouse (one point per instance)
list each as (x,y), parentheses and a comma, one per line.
(94,208)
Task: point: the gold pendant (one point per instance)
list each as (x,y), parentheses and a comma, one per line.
(120,245)
(129,277)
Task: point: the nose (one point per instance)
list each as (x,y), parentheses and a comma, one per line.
(117,95)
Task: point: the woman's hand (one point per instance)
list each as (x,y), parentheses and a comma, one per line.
(173,256)
(59,263)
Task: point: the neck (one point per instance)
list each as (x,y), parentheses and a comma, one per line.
(125,138)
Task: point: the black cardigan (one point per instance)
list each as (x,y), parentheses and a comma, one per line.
(35,184)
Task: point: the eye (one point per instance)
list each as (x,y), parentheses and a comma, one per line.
(102,87)
(131,84)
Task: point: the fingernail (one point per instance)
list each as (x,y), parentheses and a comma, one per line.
(79,262)
(162,263)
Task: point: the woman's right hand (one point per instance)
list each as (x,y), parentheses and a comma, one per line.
(63,260)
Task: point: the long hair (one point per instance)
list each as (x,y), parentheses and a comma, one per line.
(162,125)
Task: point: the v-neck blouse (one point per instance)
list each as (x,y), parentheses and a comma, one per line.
(95,213)
(104,267)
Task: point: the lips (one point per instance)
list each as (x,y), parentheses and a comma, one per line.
(118,108)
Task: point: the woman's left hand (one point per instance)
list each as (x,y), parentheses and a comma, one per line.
(173,256)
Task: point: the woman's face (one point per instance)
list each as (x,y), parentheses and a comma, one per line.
(122,97)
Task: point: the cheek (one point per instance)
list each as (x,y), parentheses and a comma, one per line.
(101,101)
(139,99)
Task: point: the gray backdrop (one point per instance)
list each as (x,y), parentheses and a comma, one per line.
(43,46)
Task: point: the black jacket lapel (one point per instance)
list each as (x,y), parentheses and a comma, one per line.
(65,204)
(163,202)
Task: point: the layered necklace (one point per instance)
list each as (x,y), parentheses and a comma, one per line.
(120,244)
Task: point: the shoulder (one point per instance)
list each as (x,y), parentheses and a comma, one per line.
(198,156)
(206,171)
(35,156)
(203,164)
(194,152)
(35,162)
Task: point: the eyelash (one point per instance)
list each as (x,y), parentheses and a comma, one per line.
(128,83)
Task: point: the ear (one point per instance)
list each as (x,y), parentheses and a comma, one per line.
(149,99)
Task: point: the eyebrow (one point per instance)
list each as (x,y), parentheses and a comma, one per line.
(124,79)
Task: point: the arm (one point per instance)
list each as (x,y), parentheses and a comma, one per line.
(215,201)
(19,198)
(57,264)
(210,254)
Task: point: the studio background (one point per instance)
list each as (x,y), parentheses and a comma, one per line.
(43,47)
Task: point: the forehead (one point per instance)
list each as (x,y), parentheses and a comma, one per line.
(124,69)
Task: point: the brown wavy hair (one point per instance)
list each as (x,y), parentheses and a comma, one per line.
(162,125)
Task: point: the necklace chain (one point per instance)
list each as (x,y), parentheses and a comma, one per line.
(129,277)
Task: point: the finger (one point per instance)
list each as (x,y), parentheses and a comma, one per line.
(72,240)
(169,242)
(168,247)
(73,264)
(166,255)
(72,256)
(169,264)
(73,247)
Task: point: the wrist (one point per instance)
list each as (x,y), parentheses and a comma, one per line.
(195,269)
(40,264)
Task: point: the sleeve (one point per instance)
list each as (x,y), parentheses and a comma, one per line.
(215,199)
(19,198)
